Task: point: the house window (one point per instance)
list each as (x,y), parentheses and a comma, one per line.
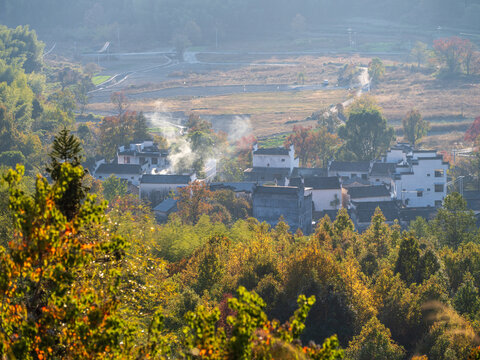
(283,160)
(127,159)
(438,187)
(377,180)
(439,173)
(132,177)
(142,160)
(428,174)
(428,189)
(154,161)
(438,203)
(364,176)
(419,193)
(353,175)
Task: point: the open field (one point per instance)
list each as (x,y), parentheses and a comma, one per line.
(403,90)
(450,105)
(97,80)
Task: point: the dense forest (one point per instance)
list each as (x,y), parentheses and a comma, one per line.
(164,19)
(83,279)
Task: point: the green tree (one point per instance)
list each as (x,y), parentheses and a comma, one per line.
(47,312)
(408,259)
(414,127)
(66,148)
(376,70)
(366,133)
(419,53)
(114,187)
(454,222)
(140,128)
(466,300)
(12,158)
(251,335)
(374,343)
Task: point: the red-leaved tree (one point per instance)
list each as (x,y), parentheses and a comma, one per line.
(454,51)
(474,131)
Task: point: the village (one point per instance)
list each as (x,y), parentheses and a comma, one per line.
(405,183)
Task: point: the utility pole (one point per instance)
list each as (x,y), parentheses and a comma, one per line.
(118,37)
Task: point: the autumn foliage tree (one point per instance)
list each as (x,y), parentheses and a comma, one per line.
(474,131)
(121,130)
(313,146)
(52,307)
(454,52)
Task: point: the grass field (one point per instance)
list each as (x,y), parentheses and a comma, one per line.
(97,80)
(270,112)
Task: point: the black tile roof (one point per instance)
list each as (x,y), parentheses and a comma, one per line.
(119,169)
(281,190)
(317,182)
(365,210)
(268,170)
(410,214)
(358,192)
(382,169)
(166,205)
(234,186)
(357,166)
(354,182)
(165,179)
(272,151)
(304,172)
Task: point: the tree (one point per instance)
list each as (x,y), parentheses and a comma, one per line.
(140,128)
(251,335)
(121,130)
(454,222)
(414,127)
(8,133)
(193,201)
(420,53)
(408,259)
(466,299)
(376,70)
(114,187)
(374,343)
(81,92)
(473,131)
(302,141)
(47,312)
(366,133)
(11,158)
(66,148)
(453,51)
(120,101)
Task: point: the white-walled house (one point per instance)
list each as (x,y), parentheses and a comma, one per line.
(326,191)
(423,183)
(146,153)
(274,157)
(129,172)
(157,187)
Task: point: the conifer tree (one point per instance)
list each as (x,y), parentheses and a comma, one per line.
(66,148)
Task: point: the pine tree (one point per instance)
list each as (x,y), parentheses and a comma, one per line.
(408,258)
(66,148)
